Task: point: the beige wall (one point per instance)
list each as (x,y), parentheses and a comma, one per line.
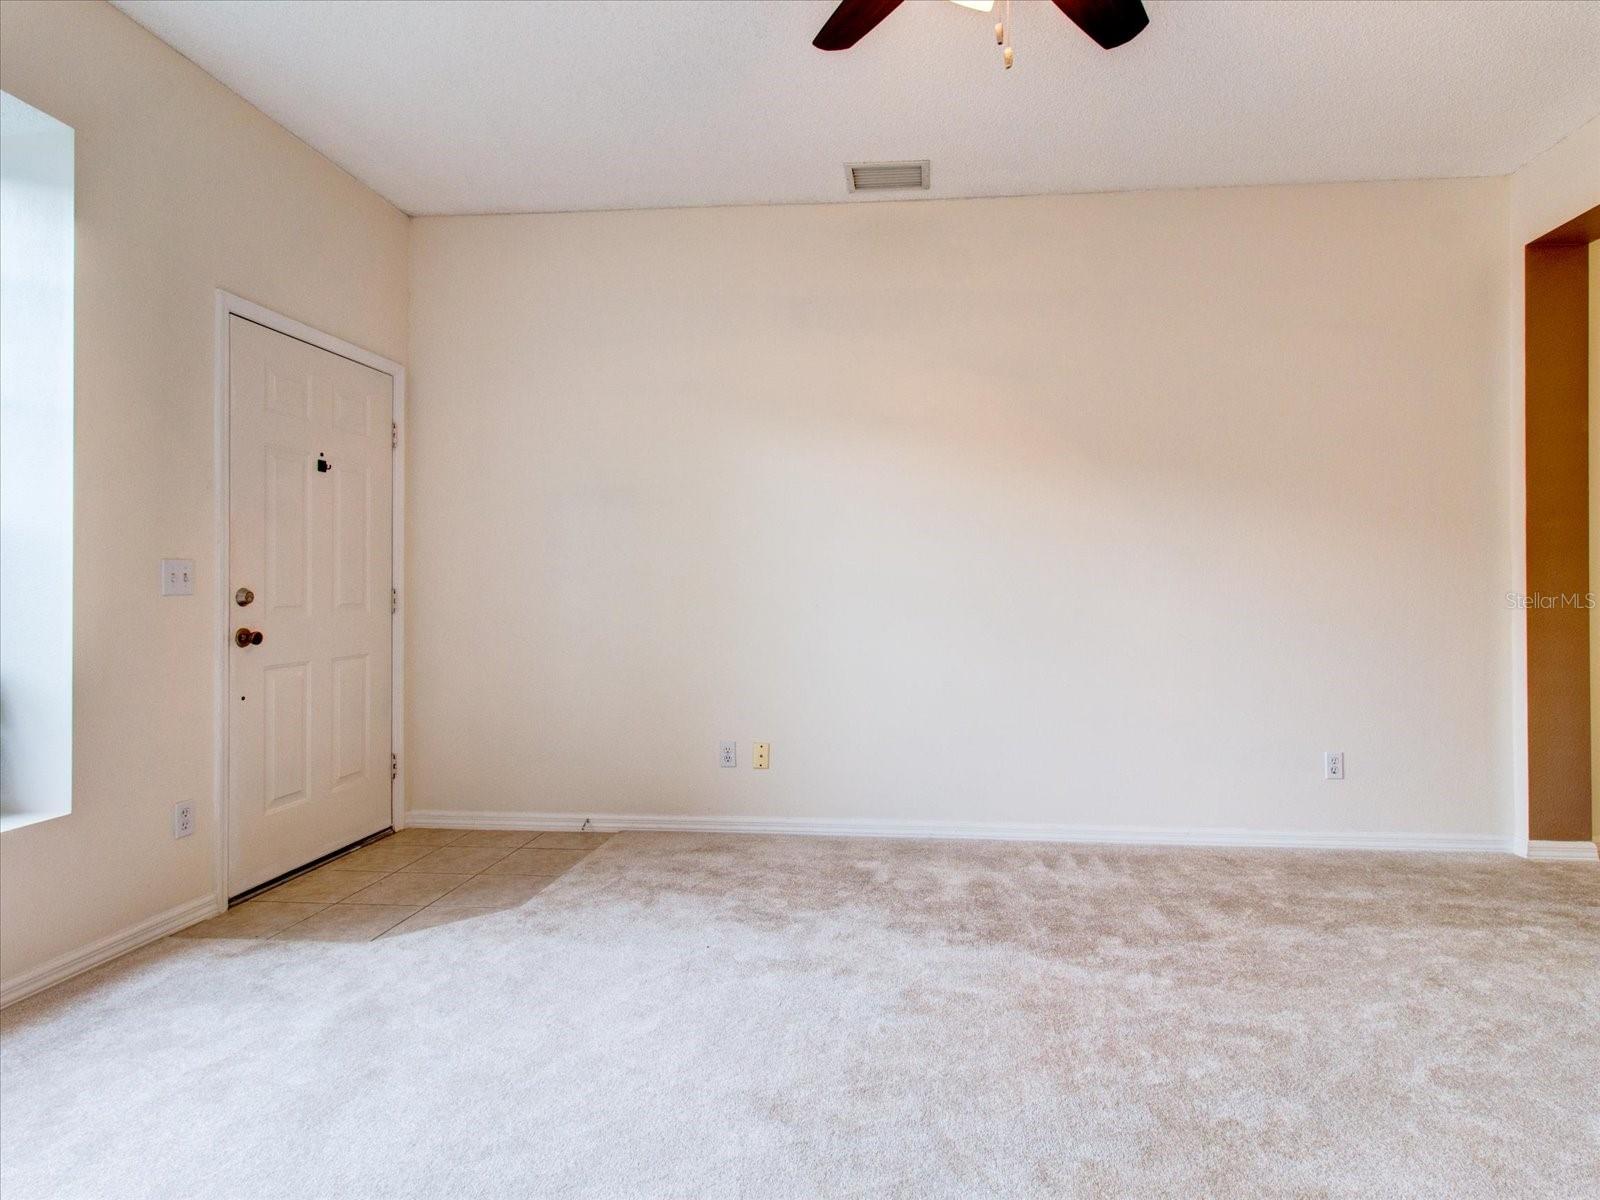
(182,188)
(1094,510)
(1556,186)
(1546,192)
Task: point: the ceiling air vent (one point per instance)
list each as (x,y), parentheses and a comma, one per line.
(888,177)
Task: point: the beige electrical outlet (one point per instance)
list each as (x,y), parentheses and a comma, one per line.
(761,759)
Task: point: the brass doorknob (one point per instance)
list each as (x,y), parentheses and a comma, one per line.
(247,637)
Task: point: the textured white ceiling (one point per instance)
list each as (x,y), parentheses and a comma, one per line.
(463,106)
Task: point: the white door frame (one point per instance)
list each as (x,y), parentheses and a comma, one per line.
(230,305)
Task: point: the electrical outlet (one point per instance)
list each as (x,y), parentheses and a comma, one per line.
(1333,764)
(183,819)
(727,754)
(761,756)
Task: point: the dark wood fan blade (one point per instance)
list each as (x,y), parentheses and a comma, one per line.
(1109,22)
(852,21)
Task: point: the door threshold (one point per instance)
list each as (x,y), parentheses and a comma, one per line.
(252,893)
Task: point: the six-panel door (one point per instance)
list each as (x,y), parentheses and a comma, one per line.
(310,499)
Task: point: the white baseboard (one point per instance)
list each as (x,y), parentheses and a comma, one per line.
(75,962)
(991,831)
(1564,851)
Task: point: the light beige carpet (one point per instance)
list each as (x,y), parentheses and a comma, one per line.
(703,1016)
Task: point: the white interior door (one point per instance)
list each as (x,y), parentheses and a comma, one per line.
(310,499)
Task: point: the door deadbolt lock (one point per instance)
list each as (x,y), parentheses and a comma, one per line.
(243,597)
(247,637)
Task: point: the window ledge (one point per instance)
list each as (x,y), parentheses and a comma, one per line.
(11,821)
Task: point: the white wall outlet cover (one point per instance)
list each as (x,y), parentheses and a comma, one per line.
(182,819)
(1333,764)
(177,576)
(727,754)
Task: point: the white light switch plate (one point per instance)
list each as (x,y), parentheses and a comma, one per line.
(177,576)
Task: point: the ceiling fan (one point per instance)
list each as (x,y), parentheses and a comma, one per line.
(1108,22)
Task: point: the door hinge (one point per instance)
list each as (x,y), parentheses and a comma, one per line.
(394,601)
(394,767)
(394,435)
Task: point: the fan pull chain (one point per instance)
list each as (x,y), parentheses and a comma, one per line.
(1005,32)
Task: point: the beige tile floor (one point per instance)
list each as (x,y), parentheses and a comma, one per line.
(414,879)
